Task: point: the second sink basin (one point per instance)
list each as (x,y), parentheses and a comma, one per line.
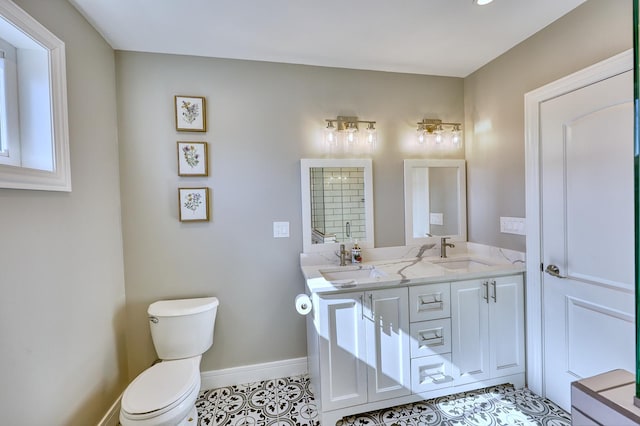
(351,273)
(462,263)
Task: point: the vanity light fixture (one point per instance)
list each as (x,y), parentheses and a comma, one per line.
(439,132)
(344,130)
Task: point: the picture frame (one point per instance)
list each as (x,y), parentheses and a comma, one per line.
(193,204)
(193,158)
(191,113)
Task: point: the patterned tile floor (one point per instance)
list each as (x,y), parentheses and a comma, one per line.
(289,402)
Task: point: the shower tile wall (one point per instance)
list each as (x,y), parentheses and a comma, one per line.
(344,203)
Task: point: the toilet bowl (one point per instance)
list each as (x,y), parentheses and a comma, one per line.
(165,394)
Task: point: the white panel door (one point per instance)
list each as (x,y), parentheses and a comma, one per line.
(506,325)
(388,344)
(470,331)
(343,367)
(587,233)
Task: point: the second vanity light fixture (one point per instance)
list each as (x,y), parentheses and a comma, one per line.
(343,132)
(438,131)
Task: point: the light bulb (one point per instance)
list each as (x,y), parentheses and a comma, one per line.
(456,135)
(330,134)
(372,135)
(421,134)
(351,130)
(438,132)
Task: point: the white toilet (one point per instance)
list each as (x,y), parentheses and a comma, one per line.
(165,394)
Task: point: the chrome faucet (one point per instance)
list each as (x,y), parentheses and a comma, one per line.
(342,254)
(443,246)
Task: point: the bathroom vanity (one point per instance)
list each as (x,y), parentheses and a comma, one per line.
(400,329)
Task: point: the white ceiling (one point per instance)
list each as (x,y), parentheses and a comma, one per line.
(436,37)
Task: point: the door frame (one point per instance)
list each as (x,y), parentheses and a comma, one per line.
(615,65)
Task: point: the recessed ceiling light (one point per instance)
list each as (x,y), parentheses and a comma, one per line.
(482,2)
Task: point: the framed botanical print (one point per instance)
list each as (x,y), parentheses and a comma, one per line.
(193,159)
(194,204)
(191,112)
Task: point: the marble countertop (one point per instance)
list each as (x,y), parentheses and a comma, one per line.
(393,266)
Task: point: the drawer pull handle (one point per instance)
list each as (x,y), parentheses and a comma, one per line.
(428,302)
(436,340)
(428,306)
(433,374)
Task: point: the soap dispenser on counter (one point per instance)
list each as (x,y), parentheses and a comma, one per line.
(356,254)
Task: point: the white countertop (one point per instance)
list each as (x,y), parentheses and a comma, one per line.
(395,266)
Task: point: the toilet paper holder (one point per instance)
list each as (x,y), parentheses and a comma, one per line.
(303,304)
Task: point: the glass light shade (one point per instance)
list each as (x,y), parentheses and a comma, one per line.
(330,137)
(371,136)
(456,135)
(422,137)
(352,131)
(438,132)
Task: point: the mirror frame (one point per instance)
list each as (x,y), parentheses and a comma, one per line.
(59,179)
(306,165)
(408,200)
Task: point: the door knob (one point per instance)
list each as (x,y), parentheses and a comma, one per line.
(554,271)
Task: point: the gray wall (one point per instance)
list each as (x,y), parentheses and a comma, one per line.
(262,118)
(494,108)
(63,305)
(62,349)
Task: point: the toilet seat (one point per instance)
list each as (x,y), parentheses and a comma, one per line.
(161,388)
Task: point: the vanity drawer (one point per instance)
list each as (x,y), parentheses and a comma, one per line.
(429,301)
(431,372)
(430,337)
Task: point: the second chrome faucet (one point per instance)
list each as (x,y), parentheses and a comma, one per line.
(443,246)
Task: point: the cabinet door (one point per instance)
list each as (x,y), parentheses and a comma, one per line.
(506,325)
(388,344)
(470,331)
(343,368)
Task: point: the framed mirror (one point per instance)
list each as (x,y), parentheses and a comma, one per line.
(337,203)
(435,200)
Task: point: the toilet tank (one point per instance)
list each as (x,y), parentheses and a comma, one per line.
(182,328)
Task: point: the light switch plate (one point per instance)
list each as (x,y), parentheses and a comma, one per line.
(280,229)
(513,225)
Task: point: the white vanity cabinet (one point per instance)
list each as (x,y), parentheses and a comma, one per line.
(378,348)
(363,345)
(487,316)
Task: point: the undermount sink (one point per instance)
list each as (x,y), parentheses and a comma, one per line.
(351,274)
(462,263)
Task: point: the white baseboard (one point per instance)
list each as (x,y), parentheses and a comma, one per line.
(253,373)
(112,418)
(230,377)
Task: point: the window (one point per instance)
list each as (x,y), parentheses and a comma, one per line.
(9,114)
(4,148)
(34,147)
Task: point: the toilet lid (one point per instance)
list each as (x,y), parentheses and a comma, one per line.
(161,387)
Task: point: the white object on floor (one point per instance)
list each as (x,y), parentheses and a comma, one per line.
(165,394)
